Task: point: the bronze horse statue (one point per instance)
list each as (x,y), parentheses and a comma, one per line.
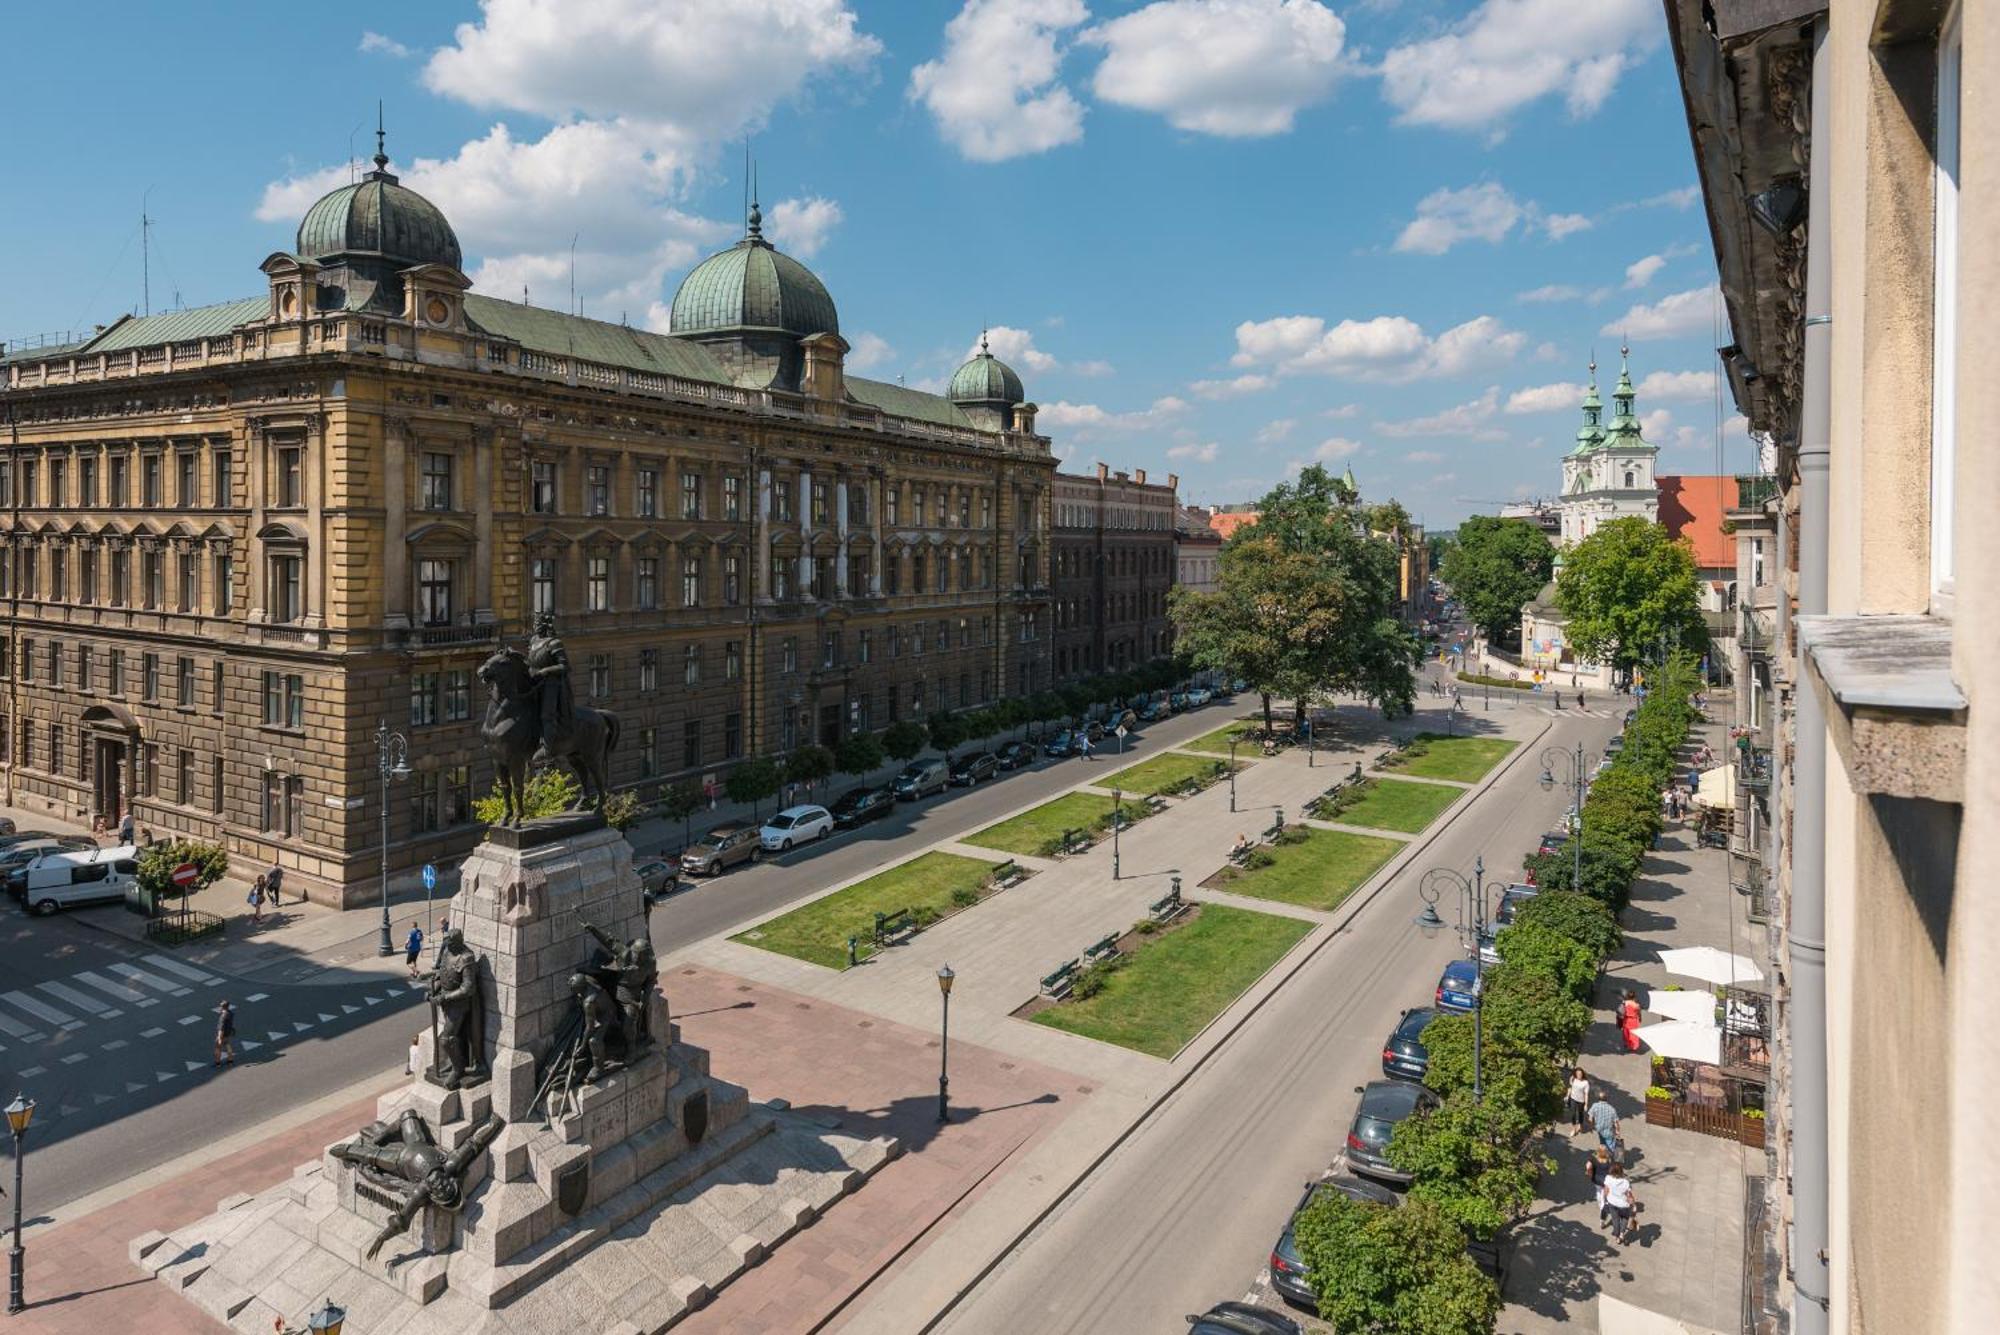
(513,733)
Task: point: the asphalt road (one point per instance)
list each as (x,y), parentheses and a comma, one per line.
(1184,1214)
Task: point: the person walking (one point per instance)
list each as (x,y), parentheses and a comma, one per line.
(1628,1020)
(225,1034)
(1617,1203)
(274,880)
(1595,1165)
(125,827)
(1579,1101)
(255,899)
(1604,1118)
(413,949)
(1579,699)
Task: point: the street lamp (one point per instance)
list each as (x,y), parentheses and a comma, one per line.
(19,1113)
(392,761)
(1434,883)
(1117,823)
(1550,757)
(326,1319)
(944,977)
(1232,773)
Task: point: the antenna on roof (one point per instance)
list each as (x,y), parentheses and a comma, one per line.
(524,294)
(572,271)
(146,253)
(352,162)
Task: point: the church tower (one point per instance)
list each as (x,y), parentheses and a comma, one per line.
(1609,473)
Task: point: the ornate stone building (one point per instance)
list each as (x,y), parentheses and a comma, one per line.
(1114,563)
(240,538)
(1609,474)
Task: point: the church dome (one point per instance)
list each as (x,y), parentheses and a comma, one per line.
(377,217)
(985,379)
(753,285)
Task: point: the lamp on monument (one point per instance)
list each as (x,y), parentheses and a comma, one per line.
(326,1320)
(945,976)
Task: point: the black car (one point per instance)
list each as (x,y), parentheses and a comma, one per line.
(858,806)
(970,769)
(1404,1056)
(1094,730)
(1153,711)
(1241,1319)
(1064,743)
(1015,755)
(1288,1272)
(1383,1104)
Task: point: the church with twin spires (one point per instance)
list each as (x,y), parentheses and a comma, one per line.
(1609,474)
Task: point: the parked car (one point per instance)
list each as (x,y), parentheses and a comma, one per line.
(1630,714)
(1178,701)
(969,769)
(921,778)
(1199,696)
(1457,986)
(1489,947)
(1015,755)
(721,848)
(1153,711)
(1383,1104)
(659,877)
(1064,743)
(1289,1274)
(1552,841)
(75,878)
(14,838)
(858,806)
(1404,1056)
(1511,900)
(801,824)
(1094,731)
(1615,745)
(1241,1319)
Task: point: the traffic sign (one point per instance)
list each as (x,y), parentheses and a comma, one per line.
(430,877)
(1121,730)
(185,875)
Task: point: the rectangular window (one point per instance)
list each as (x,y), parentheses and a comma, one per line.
(691,666)
(152,580)
(224,482)
(295,806)
(285,700)
(291,476)
(788,655)
(649,493)
(31,583)
(58,483)
(1944,310)
(115,488)
(185,484)
(600,675)
(943,635)
(597,489)
(781,499)
(423,699)
(985,510)
(457,794)
(190,583)
(287,592)
(965,509)
(436,481)
(892,576)
(542,583)
(649,670)
(895,642)
(215,783)
(732,660)
(732,581)
(597,584)
(27,660)
(829,649)
(434,582)
(457,695)
(649,753)
(149,677)
(893,505)
(184,776)
(55,665)
(225,584)
(184,683)
(690,495)
(857,504)
(56,749)
(691,581)
(274,799)
(58,574)
(542,491)
(822,577)
(781,577)
(691,743)
(30,491)
(857,575)
(864,648)
(649,583)
(732,499)
(114,672)
(732,736)
(917,506)
(819,504)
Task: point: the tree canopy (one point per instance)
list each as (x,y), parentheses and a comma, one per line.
(1630,595)
(1493,568)
(1382,1268)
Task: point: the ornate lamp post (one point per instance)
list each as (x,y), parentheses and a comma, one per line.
(1232,773)
(19,1114)
(1117,822)
(1550,758)
(944,977)
(392,761)
(1473,892)
(326,1319)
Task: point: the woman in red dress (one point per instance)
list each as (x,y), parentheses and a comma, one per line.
(1628,1021)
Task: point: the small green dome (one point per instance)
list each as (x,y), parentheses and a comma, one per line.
(985,379)
(753,285)
(378,217)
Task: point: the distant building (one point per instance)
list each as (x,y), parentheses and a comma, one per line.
(1609,474)
(1227,521)
(1544,515)
(1197,547)
(1696,510)
(1113,549)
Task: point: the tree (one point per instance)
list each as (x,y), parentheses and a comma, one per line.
(1512,1073)
(549,792)
(623,810)
(946,731)
(1579,917)
(752,782)
(1383,1268)
(858,753)
(157,863)
(1629,595)
(1532,1010)
(1526,945)
(1470,1160)
(902,740)
(808,765)
(1493,568)
(680,802)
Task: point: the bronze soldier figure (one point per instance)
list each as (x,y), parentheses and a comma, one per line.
(406,1157)
(548,668)
(638,969)
(457,1014)
(599,1017)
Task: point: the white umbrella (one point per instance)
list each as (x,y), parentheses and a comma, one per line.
(1717,788)
(1694,1007)
(1710,965)
(1683,1039)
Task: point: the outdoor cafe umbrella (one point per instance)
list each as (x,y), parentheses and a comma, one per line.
(1694,1007)
(1716,791)
(1710,965)
(1684,1039)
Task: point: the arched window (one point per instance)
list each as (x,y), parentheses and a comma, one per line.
(1631,479)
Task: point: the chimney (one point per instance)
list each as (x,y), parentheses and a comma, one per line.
(1139,476)
(1173,482)
(1103,472)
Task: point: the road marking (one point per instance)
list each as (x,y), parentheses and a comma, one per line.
(324,1018)
(151,1033)
(276,1036)
(75,1057)
(187,971)
(256,996)
(161,1077)
(27,1072)
(190,1019)
(15,1029)
(154,981)
(373,1001)
(46,1014)
(349,1010)
(194,1066)
(112,987)
(114,1045)
(96,1099)
(249,1045)
(133,1087)
(90,1005)
(302,1025)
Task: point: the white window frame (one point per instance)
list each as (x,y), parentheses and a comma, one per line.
(1944,313)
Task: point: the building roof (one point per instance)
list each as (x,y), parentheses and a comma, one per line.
(568,335)
(378,216)
(144,331)
(1693,507)
(753,285)
(902,401)
(985,379)
(1227,522)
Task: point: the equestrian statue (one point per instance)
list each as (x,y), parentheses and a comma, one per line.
(532,718)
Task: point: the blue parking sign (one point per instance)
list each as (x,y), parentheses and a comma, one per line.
(430,877)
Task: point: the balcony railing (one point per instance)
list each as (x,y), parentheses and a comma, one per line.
(1753,768)
(427,637)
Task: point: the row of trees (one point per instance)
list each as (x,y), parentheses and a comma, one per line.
(1305,601)
(1473,1161)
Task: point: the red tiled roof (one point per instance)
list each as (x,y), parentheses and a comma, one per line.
(1227,522)
(1693,508)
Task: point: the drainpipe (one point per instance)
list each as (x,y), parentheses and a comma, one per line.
(1806,934)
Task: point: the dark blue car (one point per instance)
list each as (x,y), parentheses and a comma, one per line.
(1458,985)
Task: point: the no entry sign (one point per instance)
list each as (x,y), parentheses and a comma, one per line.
(185,875)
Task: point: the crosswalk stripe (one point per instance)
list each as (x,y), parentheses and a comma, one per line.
(114,1045)
(190,1019)
(154,981)
(75,1057)
(256,996)
(187,971)
(46,1014)
(151,1033)
(13,1028)
(63,992)
(110,986)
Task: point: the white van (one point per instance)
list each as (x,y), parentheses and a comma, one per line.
(89,876)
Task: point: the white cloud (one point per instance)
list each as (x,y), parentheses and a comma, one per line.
(376,43)
(1509,53)
(1234,387)
(868,350)
(1683,198)
(1342,412)
(1335,447)
(802,226)
(1544,398)
(1446,217)
(1640,271)
(1671,385)
(1221,67)
(288,199)
(1387,347)
(1550,292)
(1424,457)
(1274,431)
(1473,419)
(994,91)
(1560,225)
(1682,313)
(1017,348)
(1200,454)
(1088,419)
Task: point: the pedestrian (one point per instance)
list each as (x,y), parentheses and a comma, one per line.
(1559,699)
(274,878)
(1579,699)
(1617,1203)
(225,1034)
(1604,1118)
(413,948)
(1579,1101)
(415,1054)
(1628,1020)
(1087,748)
(256,900)
(1594,1166)
(125,829)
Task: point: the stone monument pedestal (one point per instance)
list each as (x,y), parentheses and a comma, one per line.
(616,1205)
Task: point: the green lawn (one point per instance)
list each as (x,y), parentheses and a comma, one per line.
(1397,804)
(1162,774)
(1435,756)
(1032,831)
(1175,984)
(1317,872)
(1217,743)
(818,932)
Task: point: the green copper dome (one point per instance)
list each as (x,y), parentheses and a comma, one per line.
(985,379)
(377,217)
(753,285)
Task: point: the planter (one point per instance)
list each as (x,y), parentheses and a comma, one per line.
(1750,1131)
(1663,1112)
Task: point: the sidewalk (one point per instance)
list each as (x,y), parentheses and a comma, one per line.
(1685,1268)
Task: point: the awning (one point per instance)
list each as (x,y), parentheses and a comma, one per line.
(1717,789)
(1696,1007)
(1684,1039)
(1710,965)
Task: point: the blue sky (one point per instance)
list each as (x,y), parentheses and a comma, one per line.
(1217,237)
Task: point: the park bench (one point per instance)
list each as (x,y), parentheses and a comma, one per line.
(1241,856)
(1168,907)
(1103,950)
(1057,985)
(1277,826)
(1007,873)
(892,927)
(1075,841)
(1155,804)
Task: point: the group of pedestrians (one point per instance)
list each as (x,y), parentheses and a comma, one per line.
(1617,1204)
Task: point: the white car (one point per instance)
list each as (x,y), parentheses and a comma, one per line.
(795,825)
(1199,696)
